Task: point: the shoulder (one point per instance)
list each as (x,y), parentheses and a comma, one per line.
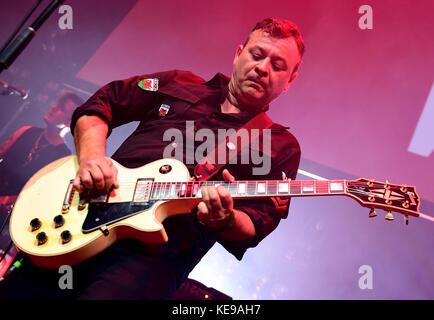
(285,137)
(21,130)
(181,77)
(13,139)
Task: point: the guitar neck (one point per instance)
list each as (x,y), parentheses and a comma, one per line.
(250,188)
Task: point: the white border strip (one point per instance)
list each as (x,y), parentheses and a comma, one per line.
(310,175)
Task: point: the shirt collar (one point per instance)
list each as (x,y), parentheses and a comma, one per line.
(221,82)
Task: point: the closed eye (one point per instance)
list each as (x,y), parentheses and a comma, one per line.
(279,67)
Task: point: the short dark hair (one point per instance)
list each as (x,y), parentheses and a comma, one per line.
(281,29)
(70,96)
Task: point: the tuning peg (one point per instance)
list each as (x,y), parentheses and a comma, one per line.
(372,213)
(387,185)
(406,219)
(389,215)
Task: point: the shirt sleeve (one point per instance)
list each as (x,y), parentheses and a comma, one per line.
(11,140)
(266,213)
(122,101)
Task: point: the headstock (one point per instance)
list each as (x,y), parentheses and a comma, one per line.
(383,195)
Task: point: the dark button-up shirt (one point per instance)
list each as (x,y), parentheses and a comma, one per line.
(182,96)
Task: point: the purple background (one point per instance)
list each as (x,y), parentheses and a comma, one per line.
(359,108)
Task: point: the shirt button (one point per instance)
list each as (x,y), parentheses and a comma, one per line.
(230,146)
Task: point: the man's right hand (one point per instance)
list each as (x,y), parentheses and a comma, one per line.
(96,173)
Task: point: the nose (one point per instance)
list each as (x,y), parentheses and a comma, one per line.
(262,67)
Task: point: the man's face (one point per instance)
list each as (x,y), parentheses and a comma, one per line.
(263,69)
(59,114)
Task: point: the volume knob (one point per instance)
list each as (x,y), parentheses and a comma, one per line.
(35,224)
(42,238)
(58,221)
(66,236)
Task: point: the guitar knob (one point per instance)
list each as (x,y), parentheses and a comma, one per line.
(389,216)
(35,224)
(372,213)
(42,238)
(66,236)
(58,221)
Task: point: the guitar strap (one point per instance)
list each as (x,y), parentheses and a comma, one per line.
(206,168)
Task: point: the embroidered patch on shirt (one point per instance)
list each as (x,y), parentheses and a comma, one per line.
(149,84)
(164,109)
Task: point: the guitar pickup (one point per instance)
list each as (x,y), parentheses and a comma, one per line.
(142,192)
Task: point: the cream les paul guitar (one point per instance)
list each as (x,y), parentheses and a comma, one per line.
(55,225)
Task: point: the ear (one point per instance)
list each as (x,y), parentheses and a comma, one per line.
(291,79)
(238,52)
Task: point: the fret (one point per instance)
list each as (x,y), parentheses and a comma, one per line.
(241,187)
(233,188)
(308,187)
(322,187)
(191,189)
(154,190)
(337,186)
(178,189)
(166,190)
(295,187)
(261,187)
(195,188)
(187,190)
(163,190)
(161,194)
(283,187)
(182,192)
(251,188)
(172,190)
(272,187)
(160,190)
(169,190)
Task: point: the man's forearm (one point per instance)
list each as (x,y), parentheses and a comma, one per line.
(96,171)
(241,229)
(90,135)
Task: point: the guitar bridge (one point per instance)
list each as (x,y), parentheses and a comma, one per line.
(68,198)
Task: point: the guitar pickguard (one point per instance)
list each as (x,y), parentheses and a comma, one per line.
(102,214)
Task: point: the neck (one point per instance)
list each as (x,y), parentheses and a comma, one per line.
(228,107)
(235,105)
(248,189)
(52,135)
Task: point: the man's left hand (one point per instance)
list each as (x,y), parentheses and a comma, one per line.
(217,205)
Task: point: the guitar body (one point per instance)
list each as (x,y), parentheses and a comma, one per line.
(44,194)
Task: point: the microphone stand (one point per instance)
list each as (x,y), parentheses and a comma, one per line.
(14,117)
(11,52)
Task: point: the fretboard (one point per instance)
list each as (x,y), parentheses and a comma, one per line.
(249,188)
